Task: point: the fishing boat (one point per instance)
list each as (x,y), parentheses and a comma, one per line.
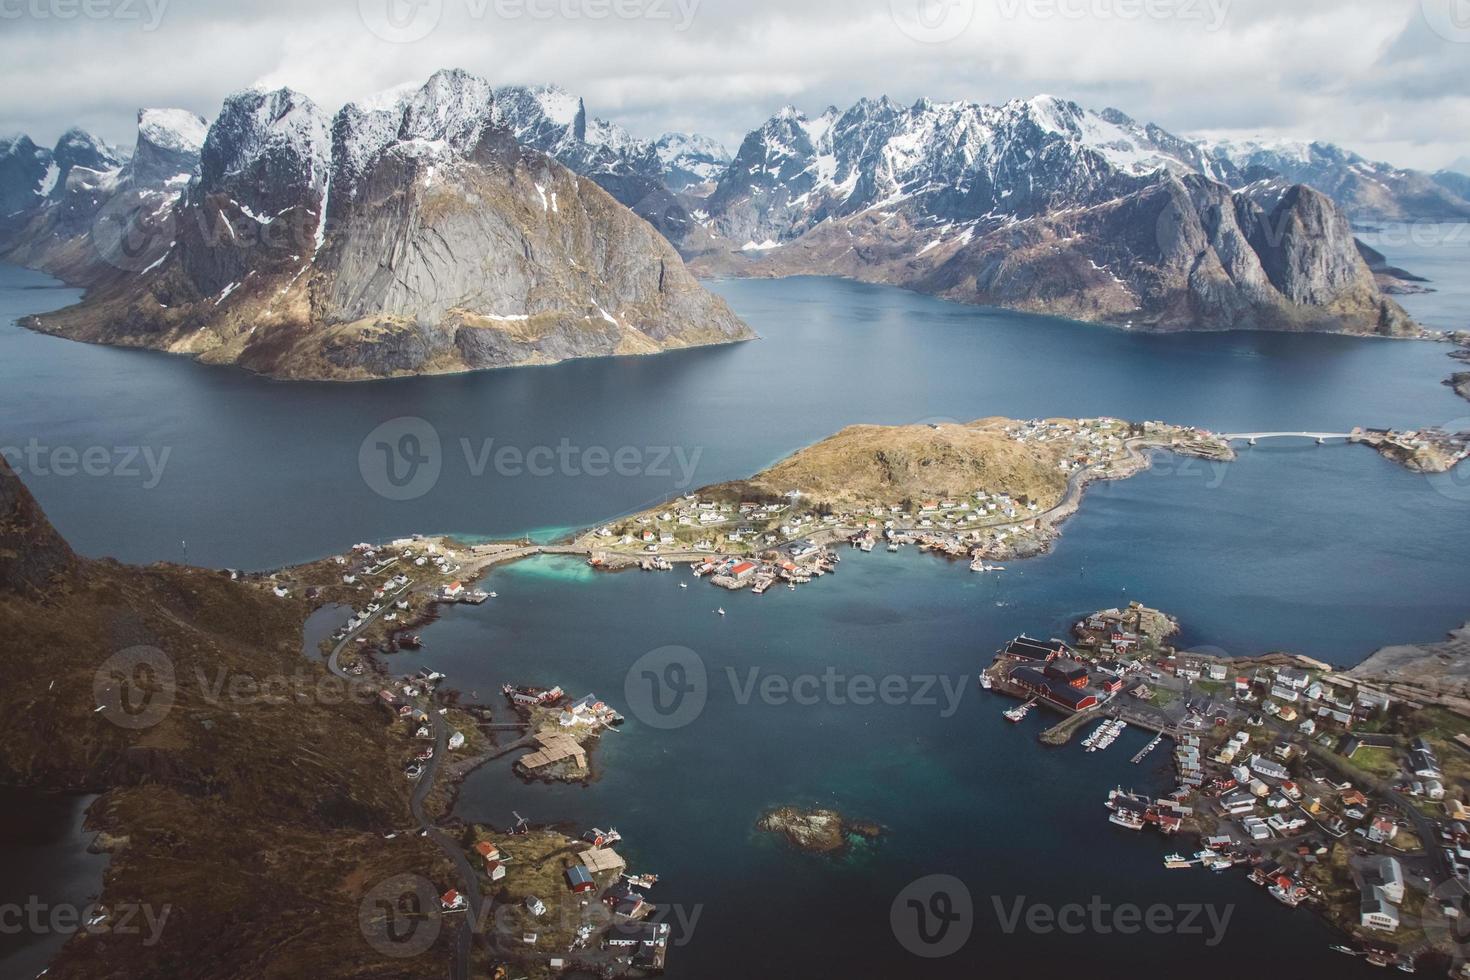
(641,881)
(1177,860)
(892,546)
(1018,712)
(1126,818)
(986,682)
(721,610)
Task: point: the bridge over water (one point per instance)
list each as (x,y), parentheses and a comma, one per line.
(1254,437)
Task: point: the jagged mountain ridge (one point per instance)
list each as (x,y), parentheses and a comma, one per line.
(403,236)
(106,201)
(970,202)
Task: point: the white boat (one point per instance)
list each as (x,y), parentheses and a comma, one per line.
(683,585)
(986,682)
(721,611)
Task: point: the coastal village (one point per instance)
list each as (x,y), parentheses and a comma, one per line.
(1001,496)
(761,533)
(557,902)
(1331,791)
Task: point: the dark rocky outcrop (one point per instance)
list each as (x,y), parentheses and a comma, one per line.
(33,557)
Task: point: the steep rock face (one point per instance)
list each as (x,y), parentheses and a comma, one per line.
(25,172)
(32,554)
(405,236)
(80,149)
(168,148)
(108,215)
(548,119)
(1182,253)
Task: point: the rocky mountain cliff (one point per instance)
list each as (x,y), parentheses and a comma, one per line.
(32,555)
(1041,205)
(403,236)
(633,171)
(102,219)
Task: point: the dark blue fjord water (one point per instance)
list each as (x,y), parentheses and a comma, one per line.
(1331,551)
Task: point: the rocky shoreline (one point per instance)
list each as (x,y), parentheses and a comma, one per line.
(818,831)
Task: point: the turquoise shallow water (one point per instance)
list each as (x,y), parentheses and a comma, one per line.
(1331,551)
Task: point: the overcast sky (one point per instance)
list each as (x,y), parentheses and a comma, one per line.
(1388,78)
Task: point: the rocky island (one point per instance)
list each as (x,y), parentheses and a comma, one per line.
(412,237)
(817,831)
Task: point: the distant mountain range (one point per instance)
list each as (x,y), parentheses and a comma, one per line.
(1042,205)
(459,225)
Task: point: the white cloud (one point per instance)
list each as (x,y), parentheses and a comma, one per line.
(1369,74)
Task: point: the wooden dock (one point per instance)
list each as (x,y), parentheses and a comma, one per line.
(1147,749)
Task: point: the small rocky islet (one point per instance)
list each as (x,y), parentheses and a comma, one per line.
(818,830)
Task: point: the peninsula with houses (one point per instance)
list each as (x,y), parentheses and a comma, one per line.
(1338,791)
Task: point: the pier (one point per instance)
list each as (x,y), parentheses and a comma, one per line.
(1139,756)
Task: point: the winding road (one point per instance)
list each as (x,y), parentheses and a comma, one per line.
(468,882)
